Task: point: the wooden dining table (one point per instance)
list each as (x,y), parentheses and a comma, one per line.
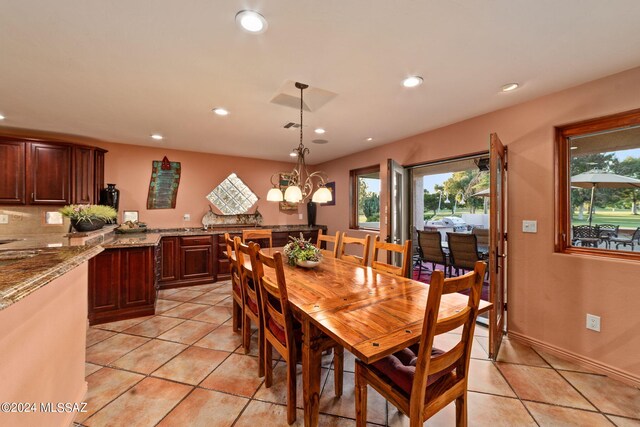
(370,313)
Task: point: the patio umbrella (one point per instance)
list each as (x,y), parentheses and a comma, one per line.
(482,193)
(601,179)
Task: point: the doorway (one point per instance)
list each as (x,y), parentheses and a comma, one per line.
(454,196)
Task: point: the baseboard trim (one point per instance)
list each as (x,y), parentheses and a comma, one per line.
(588,363)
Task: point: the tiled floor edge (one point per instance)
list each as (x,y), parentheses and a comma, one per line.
(586,362)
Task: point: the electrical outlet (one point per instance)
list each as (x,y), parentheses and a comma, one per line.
(593,322)
(299,216)
(529,226)
(4,219)
(186,217)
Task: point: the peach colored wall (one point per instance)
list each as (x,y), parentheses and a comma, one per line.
(129,167)
(549,293)
(43,341)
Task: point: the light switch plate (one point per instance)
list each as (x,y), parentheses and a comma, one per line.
(186,217)
(529,226)
(593,322)
(4,219)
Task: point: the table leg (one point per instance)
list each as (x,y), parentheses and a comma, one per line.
(311,363)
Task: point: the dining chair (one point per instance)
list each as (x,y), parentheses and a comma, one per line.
(251,304)
(606,232)
(420,380)
(324,238)
(364,243)
(482,235)
(259,236)
(463,251)
(237,309)
(430,250)
(403,250)
(282,331)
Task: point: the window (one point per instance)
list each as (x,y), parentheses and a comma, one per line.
(598,192)
(232,196)
(365,198)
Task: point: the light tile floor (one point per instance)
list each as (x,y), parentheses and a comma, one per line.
(185,367)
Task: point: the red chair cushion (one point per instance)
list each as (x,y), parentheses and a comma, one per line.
(236,289)
(400,367)
(253,306)
(278,331)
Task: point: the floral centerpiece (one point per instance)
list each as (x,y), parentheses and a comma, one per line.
(302,252)
(88,217)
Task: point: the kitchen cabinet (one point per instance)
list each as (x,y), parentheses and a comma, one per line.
(38,172)
(187,260)
(49,174)
(83,175)
(12,172)
(122,284)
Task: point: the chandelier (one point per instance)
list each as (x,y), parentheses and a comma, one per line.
(301,183)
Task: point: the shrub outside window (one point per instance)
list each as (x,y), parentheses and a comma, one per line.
(365,198)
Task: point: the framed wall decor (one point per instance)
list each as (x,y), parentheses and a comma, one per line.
(331,186)
(129,216)
(284,183)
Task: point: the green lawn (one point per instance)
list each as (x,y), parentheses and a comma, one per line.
(622,218)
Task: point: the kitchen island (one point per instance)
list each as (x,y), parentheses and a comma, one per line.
(43,320)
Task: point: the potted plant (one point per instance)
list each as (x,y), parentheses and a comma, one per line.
(302,252)
(88,217)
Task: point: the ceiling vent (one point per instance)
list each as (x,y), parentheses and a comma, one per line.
(314,98)
(291,125)
(320,141)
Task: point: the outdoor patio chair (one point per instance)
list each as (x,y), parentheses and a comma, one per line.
(606,232)
(585,235)
(624,241)
(430,250)
(463,251)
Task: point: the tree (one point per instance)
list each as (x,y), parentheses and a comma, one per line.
(579,164)
(630,167)
(431,202)
(462,185)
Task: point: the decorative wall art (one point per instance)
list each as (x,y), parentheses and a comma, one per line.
(284,183)
(331,186)
(163,188)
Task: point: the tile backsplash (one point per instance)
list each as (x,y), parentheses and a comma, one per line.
(30,220)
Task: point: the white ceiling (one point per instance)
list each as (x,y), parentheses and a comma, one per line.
(121,70)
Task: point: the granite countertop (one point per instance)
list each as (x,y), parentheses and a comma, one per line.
(132,240)
(23,271)
(232,229)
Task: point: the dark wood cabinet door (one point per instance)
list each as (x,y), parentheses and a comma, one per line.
(83,176)
(196,262)
(12,172)
(137,277)
(98,174)
(49,174)
(170,264)
(104,282)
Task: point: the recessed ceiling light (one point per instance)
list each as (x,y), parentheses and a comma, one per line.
(251,21)
(157,137)
(221,111)
(2,117)
(412,81)
(510,86)
(369,139)
(319,131)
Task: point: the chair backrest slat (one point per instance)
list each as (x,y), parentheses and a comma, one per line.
(247,276)
(333,253)
(404,250)
(234,268)
(259,236)
(365,243)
